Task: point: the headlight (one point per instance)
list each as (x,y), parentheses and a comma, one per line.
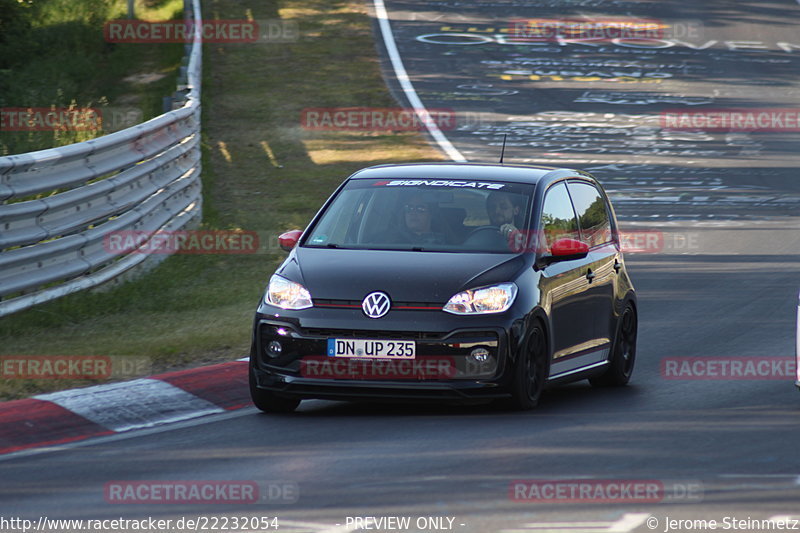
(494,299)
(287,294)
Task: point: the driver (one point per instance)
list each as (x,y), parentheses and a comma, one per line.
(502,212)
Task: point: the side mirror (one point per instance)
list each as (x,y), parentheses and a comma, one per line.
(565,250)
(289,239)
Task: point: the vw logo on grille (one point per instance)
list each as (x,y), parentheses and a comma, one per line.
(376,304)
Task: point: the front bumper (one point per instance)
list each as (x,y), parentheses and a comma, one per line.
(444,367)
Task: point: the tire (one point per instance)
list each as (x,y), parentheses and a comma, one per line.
(268,401)
(530,372)
(623,355)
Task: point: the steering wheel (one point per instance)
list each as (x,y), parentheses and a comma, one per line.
(481,229)
(484,236)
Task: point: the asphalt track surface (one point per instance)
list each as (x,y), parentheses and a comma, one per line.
(723,285)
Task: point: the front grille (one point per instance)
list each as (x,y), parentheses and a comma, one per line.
(356,304)
(383,334)
(369,334)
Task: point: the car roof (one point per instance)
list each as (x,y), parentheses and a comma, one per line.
(479,171)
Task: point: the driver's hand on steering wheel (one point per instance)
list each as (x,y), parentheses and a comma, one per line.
(507,229)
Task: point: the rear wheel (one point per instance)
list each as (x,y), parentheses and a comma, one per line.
(530,372)
(268,401)
(623,354)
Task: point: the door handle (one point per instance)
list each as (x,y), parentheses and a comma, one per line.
(590,275)
(617,265)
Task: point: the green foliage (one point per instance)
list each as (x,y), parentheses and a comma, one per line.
(14,23)
(53,55)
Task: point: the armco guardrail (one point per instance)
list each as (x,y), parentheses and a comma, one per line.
(145,179)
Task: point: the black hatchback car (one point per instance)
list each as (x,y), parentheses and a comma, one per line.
(443,281)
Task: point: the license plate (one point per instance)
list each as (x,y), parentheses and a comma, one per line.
(371,348)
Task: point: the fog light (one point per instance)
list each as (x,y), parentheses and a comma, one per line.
(274,348)
(480,355)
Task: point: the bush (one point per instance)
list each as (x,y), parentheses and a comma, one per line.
(53,54)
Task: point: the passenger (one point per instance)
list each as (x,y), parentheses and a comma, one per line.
(418,223)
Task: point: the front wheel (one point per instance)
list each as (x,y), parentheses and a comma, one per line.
(623,354)
(268,401)
(531,371)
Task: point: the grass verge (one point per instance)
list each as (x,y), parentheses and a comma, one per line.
(53,55)
(261,172)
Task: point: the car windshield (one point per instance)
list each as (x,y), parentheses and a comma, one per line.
(437,214)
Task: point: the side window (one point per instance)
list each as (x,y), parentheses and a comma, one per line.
(558,218)
(592,213)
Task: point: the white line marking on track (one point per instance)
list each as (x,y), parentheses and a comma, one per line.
(313,527)
(338,528)
(627,523)
(408,88)
(783,517)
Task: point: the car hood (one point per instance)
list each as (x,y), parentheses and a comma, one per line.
(404,276)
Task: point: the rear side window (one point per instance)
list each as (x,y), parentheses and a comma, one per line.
(593,219)
(558,218)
